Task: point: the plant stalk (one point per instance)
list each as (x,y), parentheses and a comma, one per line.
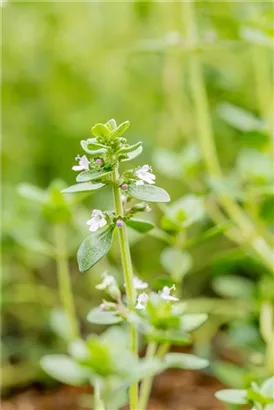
(64,281)
(128,276)
(147,383)
(200,100)
(98,403)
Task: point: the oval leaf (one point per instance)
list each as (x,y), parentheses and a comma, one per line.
(267,388)
(64,369)
(100,317)
(149,193)
(140,225)
(100,130)
(94,248)
(232,396)
(90,175)
(190,322)
(32,192)
(176,262)
(85,186)
(121,129)
(131,155)
(93,148)
(130,148)
(184,361)
(111,124)
(176,337)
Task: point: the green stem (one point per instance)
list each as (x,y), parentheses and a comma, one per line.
(128,276)
(98,403)
(65,288)
(200,100)
(147,383)
(163,349)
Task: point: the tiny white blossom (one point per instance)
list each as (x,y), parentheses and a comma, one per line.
(147,208)
(139,182)
(142,301)
(138,284)
(165,293)
(83,163)
(97,220)
(145,175)
(108,281)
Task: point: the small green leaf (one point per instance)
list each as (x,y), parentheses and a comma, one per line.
(131,155)
(140,225)
(100,130)
(176,337)
(267,388)
(192,321)
(233,286)
(91,175)
(94,248)
(150,193)
(130,148)
(93,148)
(232,396)
(120,130)
(176,262)
(32,192)
(184,361)
(85,186)
(111,124)
(64,369)
(100,317)
(239,118)
(168,163)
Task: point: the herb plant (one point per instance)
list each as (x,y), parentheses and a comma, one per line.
(111,361)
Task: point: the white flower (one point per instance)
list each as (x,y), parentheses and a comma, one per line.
(97,220)
(139,182)
(139,284)
(165,293)
(83,163)
(142,301)
(145,175)
(108,281)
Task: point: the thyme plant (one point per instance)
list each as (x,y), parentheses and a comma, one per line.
(111,361)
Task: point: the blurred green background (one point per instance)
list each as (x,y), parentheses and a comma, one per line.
(67,66)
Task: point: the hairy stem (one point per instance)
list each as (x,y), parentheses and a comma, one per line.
(128,276)
(65,288)
(200,100)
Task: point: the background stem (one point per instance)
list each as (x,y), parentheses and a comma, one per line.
(128,276)
(65,288)
(147,383)
(205,132)
(98,403)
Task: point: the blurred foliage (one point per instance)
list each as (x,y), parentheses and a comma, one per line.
(69,65)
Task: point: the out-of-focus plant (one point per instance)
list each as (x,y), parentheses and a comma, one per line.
(238,202)
(158,317)
(57,209)
(260,397)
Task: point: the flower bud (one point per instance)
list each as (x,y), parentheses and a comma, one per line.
(124,187)
(119,223)
(99,161)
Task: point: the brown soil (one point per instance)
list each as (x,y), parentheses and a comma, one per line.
(173,390)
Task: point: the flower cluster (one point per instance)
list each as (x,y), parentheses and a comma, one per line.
(164,294)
